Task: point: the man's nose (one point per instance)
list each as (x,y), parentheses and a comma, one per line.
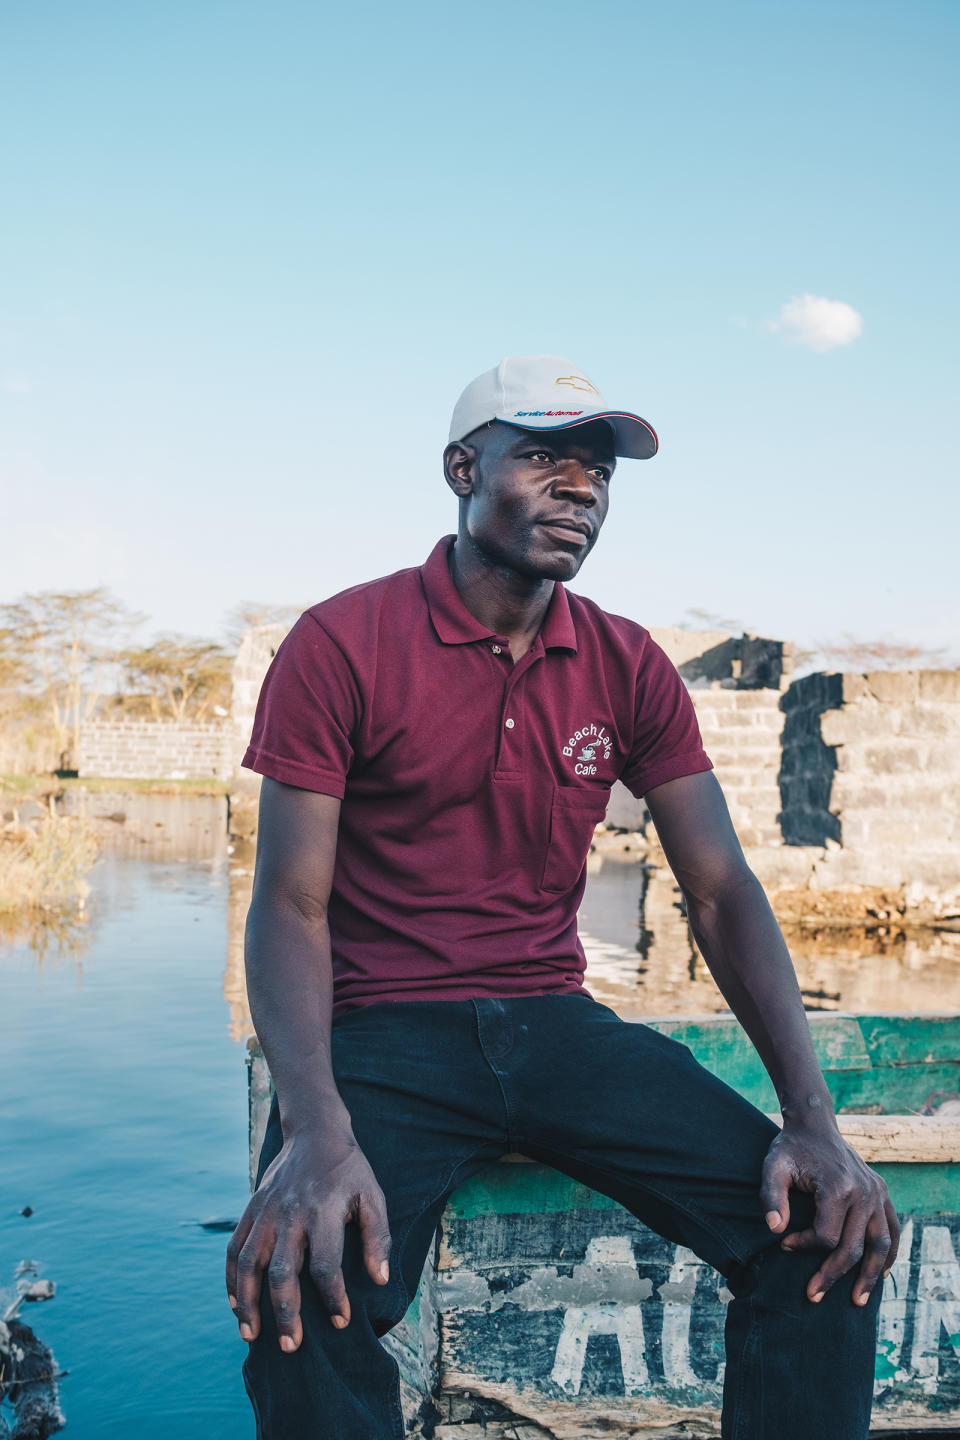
(574,480)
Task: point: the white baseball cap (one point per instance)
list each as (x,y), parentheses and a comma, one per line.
(547,392)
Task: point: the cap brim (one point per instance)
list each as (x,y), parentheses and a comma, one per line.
(634,438)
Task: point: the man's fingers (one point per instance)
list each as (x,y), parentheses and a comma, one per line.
(802,1240)
(326,1256)
(845,1252)
(876,1248)
(775,1192)
(251,1263)
(236,1244)
(283,1276)
(375,1232)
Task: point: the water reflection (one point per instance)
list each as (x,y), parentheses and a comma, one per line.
(48,936)
(642,959)
(129,1100)
(238,903)
(155,827)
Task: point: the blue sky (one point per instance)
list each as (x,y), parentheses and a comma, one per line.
(251,253)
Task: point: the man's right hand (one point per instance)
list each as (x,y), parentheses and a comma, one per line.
(316,1185)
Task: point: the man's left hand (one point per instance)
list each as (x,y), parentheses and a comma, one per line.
(854,1217)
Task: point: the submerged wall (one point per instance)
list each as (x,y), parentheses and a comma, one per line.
(155,750)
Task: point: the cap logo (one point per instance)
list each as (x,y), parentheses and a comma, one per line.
(577,382)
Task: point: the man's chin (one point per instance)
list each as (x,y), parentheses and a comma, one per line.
(559,564)
(561,570)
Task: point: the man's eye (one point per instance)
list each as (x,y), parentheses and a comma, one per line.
(541,455)
(600,473)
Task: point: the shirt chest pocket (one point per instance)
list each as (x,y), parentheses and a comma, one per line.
(574,815)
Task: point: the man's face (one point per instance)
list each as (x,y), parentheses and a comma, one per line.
(533,501)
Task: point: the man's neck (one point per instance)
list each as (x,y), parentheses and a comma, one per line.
(509,604)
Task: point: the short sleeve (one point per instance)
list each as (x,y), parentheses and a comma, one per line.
(307,713)
(666,737)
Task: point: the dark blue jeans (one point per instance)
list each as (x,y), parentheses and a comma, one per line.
(438,1090)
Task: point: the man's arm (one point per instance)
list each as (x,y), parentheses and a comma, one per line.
(320,1180)
(741,942)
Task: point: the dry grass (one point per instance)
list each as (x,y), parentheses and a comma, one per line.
(43,867)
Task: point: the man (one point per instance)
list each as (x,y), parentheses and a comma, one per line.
(437,748)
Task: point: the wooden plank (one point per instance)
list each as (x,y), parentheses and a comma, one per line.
(891,1064)
(921,1189)
(887,1139)
(896,1040)
(896,1089)
(720,1043)
(901,1139)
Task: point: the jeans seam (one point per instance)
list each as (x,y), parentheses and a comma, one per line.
(498,1076)
(401,1241)
(719,1233)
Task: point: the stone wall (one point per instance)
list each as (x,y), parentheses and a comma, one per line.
(155,750)
(169,750)
(839,782)
(741,733)
(887,775)
(746,662)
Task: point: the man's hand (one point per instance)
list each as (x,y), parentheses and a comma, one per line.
(315,1186)
(854,1218)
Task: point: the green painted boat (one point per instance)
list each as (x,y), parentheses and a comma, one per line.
(547,1311)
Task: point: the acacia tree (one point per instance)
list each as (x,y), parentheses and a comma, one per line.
(179,677)
(695,618)
(851,653)
(18,710)
(65,644)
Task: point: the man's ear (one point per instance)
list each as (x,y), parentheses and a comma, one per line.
(459,464)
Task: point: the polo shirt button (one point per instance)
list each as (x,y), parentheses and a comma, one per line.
(509,724)
(495,649)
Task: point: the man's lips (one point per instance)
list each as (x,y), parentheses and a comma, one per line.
(578,532)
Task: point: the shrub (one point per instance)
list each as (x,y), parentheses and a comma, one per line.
(44,867)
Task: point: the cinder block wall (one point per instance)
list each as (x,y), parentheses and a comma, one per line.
(741,733)
(857,777)
(895,793)
(156,750)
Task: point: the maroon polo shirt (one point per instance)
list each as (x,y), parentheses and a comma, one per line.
(470,786)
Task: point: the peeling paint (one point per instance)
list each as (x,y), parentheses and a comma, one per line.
(625,1332)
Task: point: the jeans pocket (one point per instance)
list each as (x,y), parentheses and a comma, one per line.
(574,815)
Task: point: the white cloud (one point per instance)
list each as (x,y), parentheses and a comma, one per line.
(820,323)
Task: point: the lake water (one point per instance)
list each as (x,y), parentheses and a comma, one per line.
(124,1116)
(124,1112)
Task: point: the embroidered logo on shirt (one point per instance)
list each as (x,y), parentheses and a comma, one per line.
(585,746)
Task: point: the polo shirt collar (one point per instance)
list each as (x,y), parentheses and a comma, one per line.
(456,626)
